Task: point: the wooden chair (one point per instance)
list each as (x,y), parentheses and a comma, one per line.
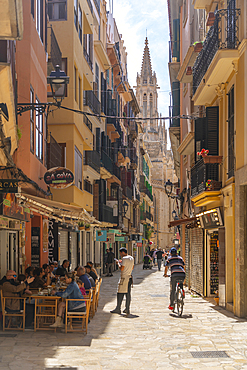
(93,300)
(97,294)
(6,314)
(74,317)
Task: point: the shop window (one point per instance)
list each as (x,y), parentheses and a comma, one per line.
(78,168)
(39,134)
(57,10)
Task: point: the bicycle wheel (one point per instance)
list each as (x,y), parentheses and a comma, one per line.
(180,301)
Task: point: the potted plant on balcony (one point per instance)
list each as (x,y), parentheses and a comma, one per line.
(81,225)
(87,226)
(209,158)
(213,185)
(198,45)
(203,152)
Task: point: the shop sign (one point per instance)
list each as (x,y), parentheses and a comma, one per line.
(211,219)
(111,238)
(139,245)
(10,208)
(53,241)
(8,186)
(135,237)
(59,178)
(15,224)
(4,222)
(120,238)
(45,235)
(101,235)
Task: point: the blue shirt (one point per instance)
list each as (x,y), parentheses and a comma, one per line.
(86,281)
(176,263)
(72,292)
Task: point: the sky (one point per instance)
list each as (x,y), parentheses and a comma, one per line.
(134,18)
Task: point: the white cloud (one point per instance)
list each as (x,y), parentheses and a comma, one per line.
(133,18)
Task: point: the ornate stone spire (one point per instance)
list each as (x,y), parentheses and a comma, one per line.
(146,70)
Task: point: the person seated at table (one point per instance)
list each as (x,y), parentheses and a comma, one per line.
(62,270)
(85,278)
(38,279)
(81,287)
(29,271)
(71,292)
(90,272)
(52,268)
(92,268)
(12,288)
(47,272)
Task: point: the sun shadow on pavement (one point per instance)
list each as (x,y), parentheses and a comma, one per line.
(181,317)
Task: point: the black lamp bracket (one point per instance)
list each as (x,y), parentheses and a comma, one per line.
(40,108)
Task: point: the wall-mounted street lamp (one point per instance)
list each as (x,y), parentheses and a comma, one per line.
(58,82)
(169,189)
(125,207)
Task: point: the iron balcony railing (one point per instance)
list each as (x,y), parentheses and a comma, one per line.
(224,34)
(92,159)
(128,193)
(115,123)
(88,187)
(92,101)
(116,171)
(55,54)
(54,154)
(106,162)
(87,122)
(149,216)
(204,176)
(88,59)
(144,189)
(106,213)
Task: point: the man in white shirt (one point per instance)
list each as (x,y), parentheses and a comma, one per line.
(126,266)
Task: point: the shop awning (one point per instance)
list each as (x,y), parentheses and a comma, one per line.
(182,221)
(57,210)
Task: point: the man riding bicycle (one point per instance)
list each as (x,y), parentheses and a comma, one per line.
(177,265)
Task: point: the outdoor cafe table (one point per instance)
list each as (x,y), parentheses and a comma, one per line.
(45,308)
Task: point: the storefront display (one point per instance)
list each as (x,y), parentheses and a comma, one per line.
(214,263)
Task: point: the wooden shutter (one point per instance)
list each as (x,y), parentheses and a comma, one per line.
(98,139)
(200,128)
(212,130)
(96,201)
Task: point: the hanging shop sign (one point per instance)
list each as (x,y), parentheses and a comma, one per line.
(120,238)
(101,235)
(59,178)
(211,219)
(10,208)
(8,186)
(111,237)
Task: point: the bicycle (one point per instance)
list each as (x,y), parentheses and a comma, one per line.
(179,298)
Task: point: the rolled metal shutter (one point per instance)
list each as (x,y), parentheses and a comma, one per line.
(63,245)
(73,245)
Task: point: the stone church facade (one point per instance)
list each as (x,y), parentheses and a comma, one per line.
(155,139)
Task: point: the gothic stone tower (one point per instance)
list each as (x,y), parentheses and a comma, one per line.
(155,140)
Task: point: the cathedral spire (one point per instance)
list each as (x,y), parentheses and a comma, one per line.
(146,70)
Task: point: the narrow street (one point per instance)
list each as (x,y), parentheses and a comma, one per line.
(150,338)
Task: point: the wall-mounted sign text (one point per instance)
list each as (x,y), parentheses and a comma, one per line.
(59,178)
(8,186)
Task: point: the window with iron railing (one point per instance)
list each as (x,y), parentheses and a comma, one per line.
(88,186)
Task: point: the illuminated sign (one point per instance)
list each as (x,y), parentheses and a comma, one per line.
(8,186)
(211,219)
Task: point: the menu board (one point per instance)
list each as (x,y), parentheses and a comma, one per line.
(35,247)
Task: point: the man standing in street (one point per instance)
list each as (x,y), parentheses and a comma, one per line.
(110,262)
(159,254)
(126,265)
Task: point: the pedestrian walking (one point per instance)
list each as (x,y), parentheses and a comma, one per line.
(110,262)
(159,255)
(126,265)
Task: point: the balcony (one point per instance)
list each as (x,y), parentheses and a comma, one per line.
(106,214)
(202,4)
(92,101)
(88,59)
(107,163)
(54,154)
(53,50)
(92,159)
(174,60)
(11,23)
(149,216)
(218,58)
(205,184)
(128,192)
(133,128)
(113,128)
(87,122)
(88,187)
(116,171)
(145,188)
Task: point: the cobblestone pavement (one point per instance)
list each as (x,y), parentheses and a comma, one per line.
(150,338)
